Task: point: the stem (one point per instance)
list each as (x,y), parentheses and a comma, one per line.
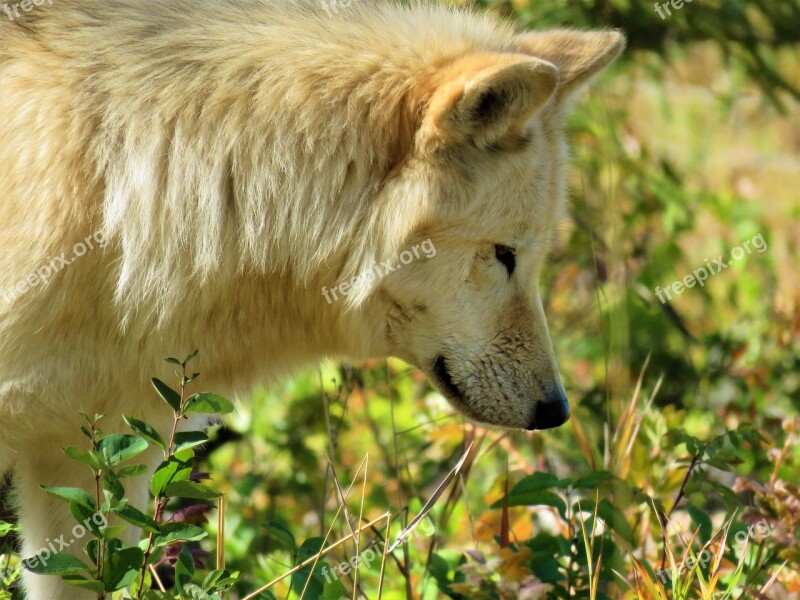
(404,521)
(101,545)
(678,498)
(787,446)
(161,503)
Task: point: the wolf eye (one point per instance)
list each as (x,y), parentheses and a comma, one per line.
(507,256)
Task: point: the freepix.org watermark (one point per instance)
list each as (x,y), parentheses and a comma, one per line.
(707,556)
(377,270)
(59,544)
(372,552)
(12,10)
(701,274)
(43,274)
(334,6)
(676,4)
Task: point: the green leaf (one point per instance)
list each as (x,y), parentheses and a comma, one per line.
(538,481)
(194,592)
(316,582)
(115,530)
(60,563)
(334,590)
(535,498)
(220,580)
(615,519)
(84,583)
(702,520)
(71,494)
(6,528)
(184,569)
(725,461)
(122,567)
(281,534)
(534,490)
(175,532)
(136,517)
(727,495)
(146,431)
(87,458)
(132,471)
(92,547)
(592,480)
(86,517)
(173,360)
(190,489)
(169,395)
(177,468)
(112,483)
(119,447)
(189,439)
(207,403)
(157,595)
(545,566)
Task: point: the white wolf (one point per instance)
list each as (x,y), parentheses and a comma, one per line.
(179,174)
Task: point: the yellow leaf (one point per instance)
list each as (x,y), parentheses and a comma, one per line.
(513,566)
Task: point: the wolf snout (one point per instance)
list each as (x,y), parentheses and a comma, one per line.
(552,412)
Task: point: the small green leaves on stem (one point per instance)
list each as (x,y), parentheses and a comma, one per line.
(169,395)
(115,565)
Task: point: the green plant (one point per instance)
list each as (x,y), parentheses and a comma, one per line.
(126,569)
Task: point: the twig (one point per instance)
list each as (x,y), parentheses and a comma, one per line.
(161,503)
(678,498)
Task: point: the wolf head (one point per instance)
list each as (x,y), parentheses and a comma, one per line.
(487,163)
(391,124)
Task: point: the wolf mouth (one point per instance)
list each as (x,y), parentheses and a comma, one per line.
(445,380)
(448,388)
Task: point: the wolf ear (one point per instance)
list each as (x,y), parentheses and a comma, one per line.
(579,55)
(485,98)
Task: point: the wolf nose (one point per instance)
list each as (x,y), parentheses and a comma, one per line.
(552,413)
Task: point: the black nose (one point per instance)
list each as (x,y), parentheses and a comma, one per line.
(552,413)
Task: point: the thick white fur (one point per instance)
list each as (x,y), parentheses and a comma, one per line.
(240,155)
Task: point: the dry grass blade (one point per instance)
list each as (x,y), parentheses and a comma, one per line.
(630,420)
(433,499)
(342,507)
(623,471)
(504,525)
(156,578)
(634,401)
(221,532)
(383,558)
(583,441)
(347,515)
(646,589)
(772,580)
(313,559)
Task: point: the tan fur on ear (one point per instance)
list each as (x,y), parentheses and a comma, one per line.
(579,55)
(483,98)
